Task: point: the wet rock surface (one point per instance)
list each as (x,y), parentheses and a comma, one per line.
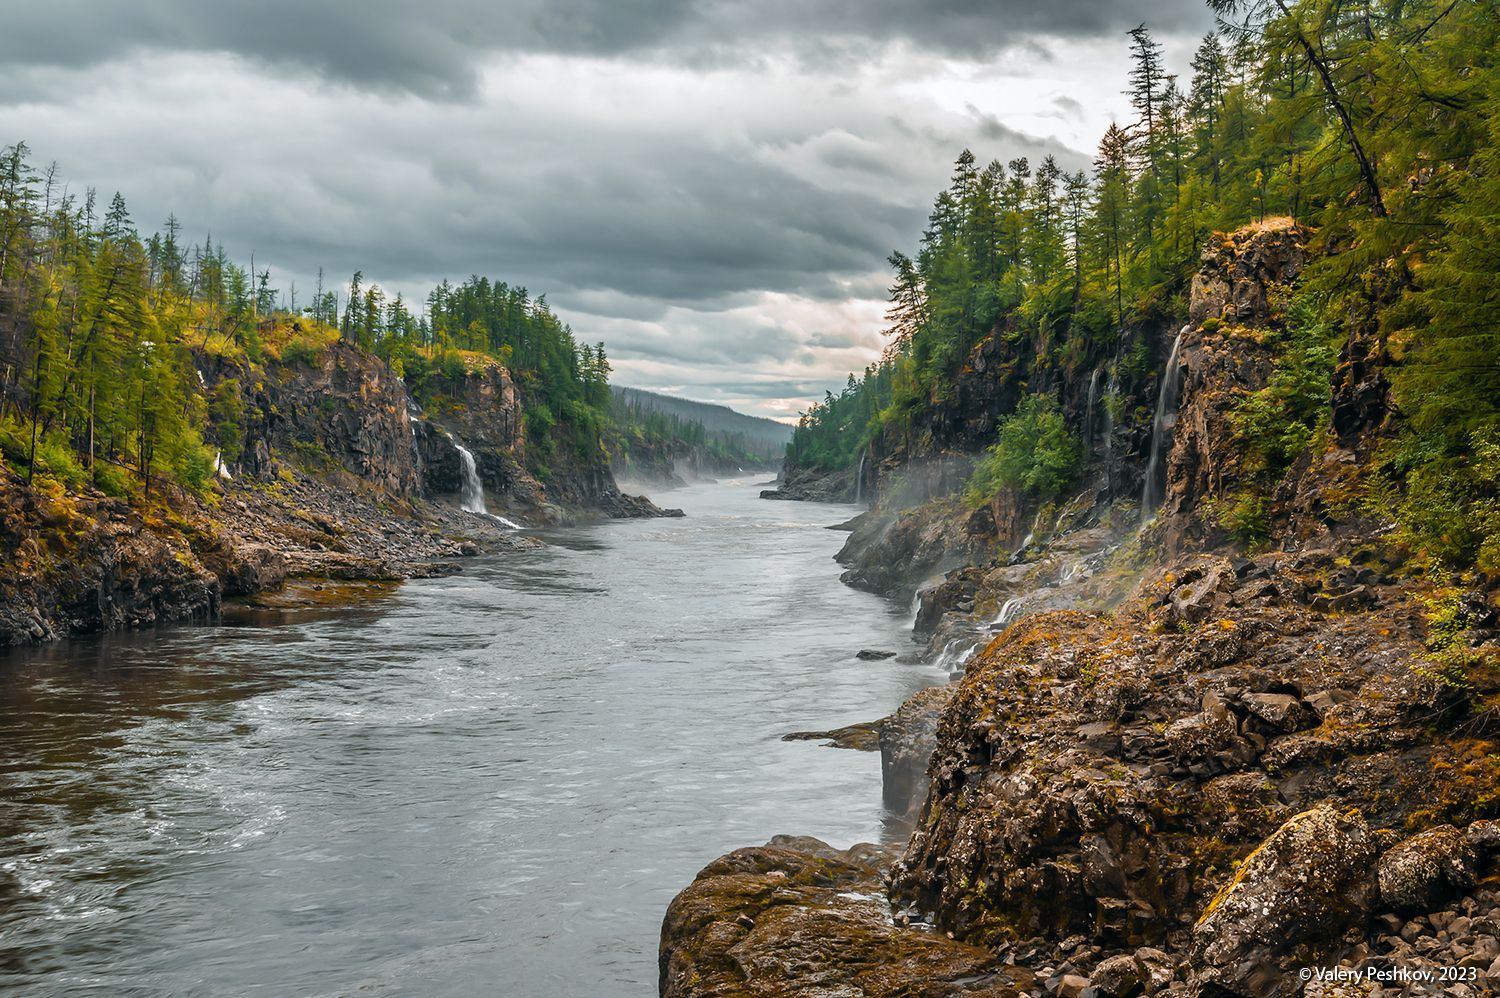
(892,553)
(798,919)
(814,485)
(1176,766)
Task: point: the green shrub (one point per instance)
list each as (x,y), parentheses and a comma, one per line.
(1275,425)
(1244,515)
(301,349)
(56,459)
(1450,508)
(1035,455)
(113,481)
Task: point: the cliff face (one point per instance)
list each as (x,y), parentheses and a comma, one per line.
(80,564)
(550,479)
(339,477)
(1184,767)
(482,411)
(342,412)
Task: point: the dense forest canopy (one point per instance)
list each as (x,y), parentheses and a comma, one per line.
(1377,123)
(103,333)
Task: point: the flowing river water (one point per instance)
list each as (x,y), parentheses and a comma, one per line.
(491,783)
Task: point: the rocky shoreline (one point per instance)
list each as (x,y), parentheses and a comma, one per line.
(343,477)
(1169,763)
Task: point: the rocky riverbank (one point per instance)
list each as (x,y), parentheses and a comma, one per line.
(344,475)
(1173,762)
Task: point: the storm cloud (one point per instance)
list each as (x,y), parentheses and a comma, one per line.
(711,188)
(435,48)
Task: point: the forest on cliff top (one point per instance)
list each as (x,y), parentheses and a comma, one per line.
(1376,124)
(103,333)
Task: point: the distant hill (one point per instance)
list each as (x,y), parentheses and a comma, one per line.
(765,436)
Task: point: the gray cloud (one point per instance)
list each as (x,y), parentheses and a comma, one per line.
(435,48)
(696,183)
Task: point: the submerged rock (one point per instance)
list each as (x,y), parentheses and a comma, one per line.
(863,737)
(873,655)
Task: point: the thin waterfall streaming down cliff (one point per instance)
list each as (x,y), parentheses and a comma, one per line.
(1088,411)
(1008,612)
(1111,392)
(859,477)
(471,498)
(1166,417)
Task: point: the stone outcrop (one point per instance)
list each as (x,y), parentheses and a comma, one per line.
(1240,270)
(798,919)
(1206,789)
(1258,763)
(76,565)
(893,553)
(339,413)
(813,485)
(330,483)
(907,739)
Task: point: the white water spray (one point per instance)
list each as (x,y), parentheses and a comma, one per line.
(471,498)
(1009,611)
(1166,418)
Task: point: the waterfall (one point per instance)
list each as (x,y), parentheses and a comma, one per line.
(1111,393)
(955,655)
(1088,411)
(859,477)
(472,497)
(1008,613)
(1166,418)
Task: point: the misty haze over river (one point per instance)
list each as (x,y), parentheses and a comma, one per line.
(488,783)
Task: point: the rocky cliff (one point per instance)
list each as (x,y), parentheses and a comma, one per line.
(340,412)
(339,474)
(1176,761)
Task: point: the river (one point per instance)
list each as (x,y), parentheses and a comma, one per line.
(491,783)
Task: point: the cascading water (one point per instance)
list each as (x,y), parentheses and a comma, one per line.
(859,478)
(1166,417)
(1088,412)
(1008,612)
(1111,393)
(471,497)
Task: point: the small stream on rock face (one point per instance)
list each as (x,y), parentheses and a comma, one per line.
(492,783)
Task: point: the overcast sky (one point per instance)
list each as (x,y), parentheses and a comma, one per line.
(711,187)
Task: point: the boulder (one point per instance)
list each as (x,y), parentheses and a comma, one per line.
(798,919)
(1484,836)
(1426,870)
(1157,969)
(1291,900)
(1117,977)
(1281,712)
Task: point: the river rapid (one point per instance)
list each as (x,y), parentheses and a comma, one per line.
(491,783)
